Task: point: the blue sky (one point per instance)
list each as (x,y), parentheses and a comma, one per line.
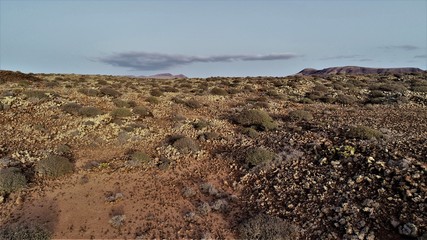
(210,38)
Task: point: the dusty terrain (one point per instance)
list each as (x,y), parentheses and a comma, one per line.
(323,157)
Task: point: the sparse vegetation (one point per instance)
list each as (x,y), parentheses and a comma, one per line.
(300,115)
(256,156)
(54,166)
(153,100)
(185,144)
(121,113)
(266,227)
(156,93)
(11,179)
(364,132)
(24,233)
(218,91)
(90,111)
(89,92)
(36,94)
(142,111)
(71,108)
(110,92)
(256,118)
(193,104)
(138,158)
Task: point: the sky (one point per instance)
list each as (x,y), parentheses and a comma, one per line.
(203,38)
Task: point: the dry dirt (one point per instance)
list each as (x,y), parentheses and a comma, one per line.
(325,181)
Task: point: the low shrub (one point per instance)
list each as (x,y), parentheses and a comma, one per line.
(71,108)
(300,115)
(142,111)
(256,118)
(89,92)
(36,94)
(218,91)
(54,166)
(422,89)
(185,144)
(200,124)
(138,158)
(346,99)
(193,104)
(121,113)
(266,227)
(90,111)
(24,232)
(256,156)
(363,132)
(124,104)
(252,133)
(110,92)
(11,179)
(156,93)
(153,100)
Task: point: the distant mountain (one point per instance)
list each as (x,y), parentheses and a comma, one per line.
(164,76)
(354,70)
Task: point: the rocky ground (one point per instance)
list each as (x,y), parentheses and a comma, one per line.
(298,157)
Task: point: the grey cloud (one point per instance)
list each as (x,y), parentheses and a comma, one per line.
(421,56)
(340,57)
(405,47)
(158,61)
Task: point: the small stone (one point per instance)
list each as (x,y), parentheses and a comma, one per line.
(1,199)
(19,200)
(408,229)
(359,179)
(394,223)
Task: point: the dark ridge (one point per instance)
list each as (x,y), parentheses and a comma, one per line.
(354,70)
(11,76)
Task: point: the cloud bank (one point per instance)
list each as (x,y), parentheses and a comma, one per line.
(405,47)
(158,61)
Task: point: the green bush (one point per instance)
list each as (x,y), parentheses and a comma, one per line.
(258,155)
(11,179)
(90,111)
(299,115)
(363,132)
(54,166)
(23,233)
(185,144)
(71,108)
(256,118)
(110,92)
(266,227)
(121,113)
(142,111)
